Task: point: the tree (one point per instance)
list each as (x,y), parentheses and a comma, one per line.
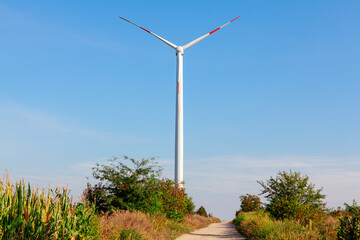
(124,186)
(291,196)
(250,203)
(129,184)
(202,212)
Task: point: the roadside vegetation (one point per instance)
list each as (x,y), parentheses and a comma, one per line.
(130,201)
(295,210)
(27,213)
(349,222)
(261,225)
(138,225)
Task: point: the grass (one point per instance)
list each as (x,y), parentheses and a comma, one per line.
(262,226)
(150,226)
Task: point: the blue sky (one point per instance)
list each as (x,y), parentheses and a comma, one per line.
(277,89)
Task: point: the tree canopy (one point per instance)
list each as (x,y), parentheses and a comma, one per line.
(129,184)
(291,195)
(250,203)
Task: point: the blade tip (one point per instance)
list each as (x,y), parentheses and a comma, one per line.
(123,19)
(234,19)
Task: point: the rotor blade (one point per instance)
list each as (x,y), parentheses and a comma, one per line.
(165,41)
(206,35)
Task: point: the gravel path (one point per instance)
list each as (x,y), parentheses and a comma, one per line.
(224,230)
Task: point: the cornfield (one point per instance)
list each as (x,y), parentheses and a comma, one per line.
(39,214)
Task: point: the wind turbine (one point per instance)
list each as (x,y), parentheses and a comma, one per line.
(179,97)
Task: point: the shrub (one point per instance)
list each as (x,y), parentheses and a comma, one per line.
(189,206)
(137,187)
(202,212)
(121,186)
(171,200)
(34,214)
(250,203)
(291,196)
(349,228)
(97,195)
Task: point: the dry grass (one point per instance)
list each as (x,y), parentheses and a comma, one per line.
(156,227)
(328,226)
(196,221)
(262,226)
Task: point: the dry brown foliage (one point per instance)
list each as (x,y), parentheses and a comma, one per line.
(328,226)
(151,227)
(196,221)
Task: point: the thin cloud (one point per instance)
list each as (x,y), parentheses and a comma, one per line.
(25,116)
(231,173)
(278,162)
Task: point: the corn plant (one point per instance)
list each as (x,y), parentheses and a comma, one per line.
(37,214)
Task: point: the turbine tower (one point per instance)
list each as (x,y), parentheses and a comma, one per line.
(179,147)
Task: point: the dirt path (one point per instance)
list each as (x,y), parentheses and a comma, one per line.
(224,230)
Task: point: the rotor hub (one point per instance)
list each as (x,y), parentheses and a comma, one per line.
(180,49)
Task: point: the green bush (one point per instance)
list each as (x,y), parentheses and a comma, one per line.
(349,228)
(121,186)
(202,212)
(291,196)
(174,202)
(250,203)
(189,205)
(34,214)
(137,186)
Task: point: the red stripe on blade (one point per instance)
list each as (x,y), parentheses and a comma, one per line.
(144,29)
(214,31)
(234,19)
